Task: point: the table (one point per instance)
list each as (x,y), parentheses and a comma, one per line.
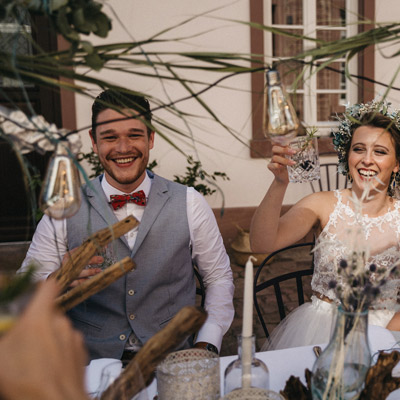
(281,363)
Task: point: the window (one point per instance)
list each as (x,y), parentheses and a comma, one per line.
(323,93)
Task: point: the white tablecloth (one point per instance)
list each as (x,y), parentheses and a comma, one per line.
(281,363)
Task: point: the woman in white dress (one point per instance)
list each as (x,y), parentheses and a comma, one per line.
(368,145)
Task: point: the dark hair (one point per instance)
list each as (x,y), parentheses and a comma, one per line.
(117,100)
(377,120)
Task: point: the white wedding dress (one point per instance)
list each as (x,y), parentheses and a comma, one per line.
(312,322)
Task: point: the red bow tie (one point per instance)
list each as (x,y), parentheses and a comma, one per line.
(118,201)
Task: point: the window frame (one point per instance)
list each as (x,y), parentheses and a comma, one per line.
(260,147)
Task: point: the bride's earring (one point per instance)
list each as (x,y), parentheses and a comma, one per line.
(349,177)
(394,185)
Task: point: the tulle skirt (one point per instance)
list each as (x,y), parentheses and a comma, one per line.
(312,323)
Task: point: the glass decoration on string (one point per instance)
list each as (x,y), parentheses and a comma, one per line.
(60,196)
(280,119)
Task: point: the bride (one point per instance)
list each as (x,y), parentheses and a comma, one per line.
(368,146)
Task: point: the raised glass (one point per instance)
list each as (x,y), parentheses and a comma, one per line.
(307,167)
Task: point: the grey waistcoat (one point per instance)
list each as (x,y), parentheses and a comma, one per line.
(145,299)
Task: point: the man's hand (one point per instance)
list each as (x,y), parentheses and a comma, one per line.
(206,346)
(42,357)
(85,273)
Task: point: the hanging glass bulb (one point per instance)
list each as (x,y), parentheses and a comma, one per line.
(60,196)
(280,119)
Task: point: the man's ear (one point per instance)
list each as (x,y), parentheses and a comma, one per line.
(151,140)
(94,145)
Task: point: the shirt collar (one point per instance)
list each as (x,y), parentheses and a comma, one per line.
(109,190)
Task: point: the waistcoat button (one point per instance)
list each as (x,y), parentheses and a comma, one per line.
(122,337)
(131,292)
(132,316)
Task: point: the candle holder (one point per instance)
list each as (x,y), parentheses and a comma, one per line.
(253,394)
(189,374)
(236,376)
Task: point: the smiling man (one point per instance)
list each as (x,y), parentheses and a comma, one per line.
(177,229)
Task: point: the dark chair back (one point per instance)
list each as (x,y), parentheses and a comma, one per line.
(330,179)
(276,284)
(200,290)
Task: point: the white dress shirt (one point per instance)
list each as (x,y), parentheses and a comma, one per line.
(49,245)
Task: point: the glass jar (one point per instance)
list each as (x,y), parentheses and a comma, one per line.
(339,372)
(258,371)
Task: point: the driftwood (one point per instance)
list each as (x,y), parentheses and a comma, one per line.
(295,390)
(81,256)
(93,285)
(379,382)
(186,322)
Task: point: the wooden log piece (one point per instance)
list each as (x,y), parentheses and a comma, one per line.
(186,322)
(93,285)
(80,257)
(379,382)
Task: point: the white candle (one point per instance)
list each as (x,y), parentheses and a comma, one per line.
(247,328)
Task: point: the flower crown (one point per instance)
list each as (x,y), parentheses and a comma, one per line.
(351,119)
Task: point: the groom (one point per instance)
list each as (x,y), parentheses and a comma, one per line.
(177,229)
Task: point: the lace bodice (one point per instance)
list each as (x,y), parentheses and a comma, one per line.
(379,234)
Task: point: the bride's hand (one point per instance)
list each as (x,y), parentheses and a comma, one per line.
(279,162)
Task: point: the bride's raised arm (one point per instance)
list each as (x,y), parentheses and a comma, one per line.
(269,231)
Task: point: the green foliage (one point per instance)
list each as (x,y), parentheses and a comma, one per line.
(93,161)
(194,173)
(13,286)
(152,165)
(70,18)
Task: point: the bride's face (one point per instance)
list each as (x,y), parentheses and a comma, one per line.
(372,158)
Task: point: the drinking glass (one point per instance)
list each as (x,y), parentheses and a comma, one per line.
(307,167)
(108,254)
(110,373)
(191,374)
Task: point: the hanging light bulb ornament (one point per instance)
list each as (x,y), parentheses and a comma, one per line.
(280,119)
(60,196)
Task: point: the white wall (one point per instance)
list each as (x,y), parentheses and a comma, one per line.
(249,178)
(386,68)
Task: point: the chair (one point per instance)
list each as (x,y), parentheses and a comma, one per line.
(200,289)
(330,179)
(297,276)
